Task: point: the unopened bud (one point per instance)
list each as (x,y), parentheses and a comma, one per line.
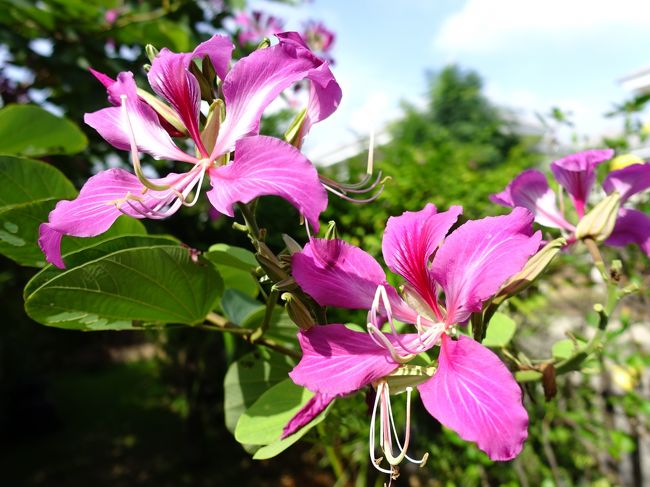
(212,124)
(298,311)
(331,233)
(266,42)
(151,52)
(293,135)
(599,222)
(624,160)
(531,271)
(270,263)
(292,246)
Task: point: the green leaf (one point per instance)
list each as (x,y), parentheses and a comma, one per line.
(564,349)
(128,289)
(262,423)
(500,331)
(175,35)
(19,231)
(278,446)
(25,181)
(29,130)
(124,225)
(238,307)
(94,252)
(231,256)
(248,378)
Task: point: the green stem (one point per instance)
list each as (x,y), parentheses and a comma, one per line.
(336,463)
(251,223)
(221,324)
(592,247)
(271,301)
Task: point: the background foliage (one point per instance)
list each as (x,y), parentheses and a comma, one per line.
(159,407)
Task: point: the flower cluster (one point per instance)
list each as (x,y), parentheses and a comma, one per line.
(239,163)
(413,336)
(576,174)
(470,390)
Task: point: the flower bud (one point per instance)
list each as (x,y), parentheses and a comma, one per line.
(623,161)
(599,222)
(292,246)
(298,311)
(151,52)
(294,133)
(531,271)
(331,233)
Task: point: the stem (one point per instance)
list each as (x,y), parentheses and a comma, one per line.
(220,323)
(268,314)
(251,223)
(337,466)
(597,257)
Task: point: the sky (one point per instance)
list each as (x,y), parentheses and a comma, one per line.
(532,55)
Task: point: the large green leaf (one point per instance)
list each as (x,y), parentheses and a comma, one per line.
(231,256)
(124,225)
(248,378)
(262,423)
(240,308)
(29,190)
(108,246)
(25,181)
(500,331)
(19,231)
(29,130)
(128,289)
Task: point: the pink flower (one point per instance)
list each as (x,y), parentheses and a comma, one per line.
(320,39)
(576,173)
(260,165)
(255,26)
(472,391)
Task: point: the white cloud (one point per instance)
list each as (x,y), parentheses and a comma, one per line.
(483,26)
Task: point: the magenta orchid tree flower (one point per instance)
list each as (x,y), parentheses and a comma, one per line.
(320,39)
(471,391)
(576,174)
(259,165)
(256,25)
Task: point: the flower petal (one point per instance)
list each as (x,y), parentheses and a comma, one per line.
(531,190)
(309,411)
(632,227)
(478,257)
(324,92)
(219,49)
(409,242)
(94,210)
(628,181)
(256,80)
(473,393)
(336,360)
(170,78)
(268,166)
(335,273)
(150,136)
(577,173)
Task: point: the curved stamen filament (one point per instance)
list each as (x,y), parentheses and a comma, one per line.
(382,295)
(388,431)
(134,151)
(371,437)
(384,342)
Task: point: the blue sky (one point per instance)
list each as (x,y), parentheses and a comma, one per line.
(532,55)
